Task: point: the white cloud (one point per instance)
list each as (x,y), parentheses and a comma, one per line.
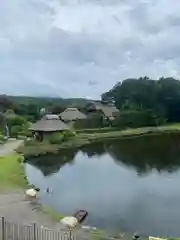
(78,48)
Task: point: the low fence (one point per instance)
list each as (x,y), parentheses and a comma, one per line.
(17,231)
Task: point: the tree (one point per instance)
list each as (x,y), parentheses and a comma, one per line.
(161,96)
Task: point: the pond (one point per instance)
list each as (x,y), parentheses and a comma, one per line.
(125,185)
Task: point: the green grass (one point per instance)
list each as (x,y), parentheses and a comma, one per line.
(97,234)
(52,213)
(12,172)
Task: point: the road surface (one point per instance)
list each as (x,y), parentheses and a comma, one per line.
(10,146)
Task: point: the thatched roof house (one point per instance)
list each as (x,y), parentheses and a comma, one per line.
(109,110)
(49,123)
(72,114)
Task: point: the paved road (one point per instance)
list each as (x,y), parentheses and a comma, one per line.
(10,146)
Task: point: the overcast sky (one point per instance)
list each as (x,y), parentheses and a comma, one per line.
(81,48)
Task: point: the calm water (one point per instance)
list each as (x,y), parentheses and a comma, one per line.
(130,185)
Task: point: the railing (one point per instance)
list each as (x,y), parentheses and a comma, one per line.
(17,231)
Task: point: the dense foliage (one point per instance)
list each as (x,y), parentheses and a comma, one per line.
(161,96)
(59,137)
(30,107)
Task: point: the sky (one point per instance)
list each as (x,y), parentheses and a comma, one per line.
(82,48)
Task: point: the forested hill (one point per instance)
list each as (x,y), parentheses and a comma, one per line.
(44,101)
(162,96)
(29,107)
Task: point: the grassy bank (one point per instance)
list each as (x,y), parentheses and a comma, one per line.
(84,138)
(52,213)
(12,172)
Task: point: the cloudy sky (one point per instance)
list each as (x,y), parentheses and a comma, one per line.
(81,48)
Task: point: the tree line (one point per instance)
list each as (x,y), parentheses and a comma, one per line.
(152,99)
(142,102)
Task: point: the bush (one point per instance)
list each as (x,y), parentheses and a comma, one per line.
(26,133)
(2,138)
(15,121)
(56,138)
(15,130)
(21,137)
(68,134)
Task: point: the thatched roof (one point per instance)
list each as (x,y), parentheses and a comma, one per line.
(109,110)
(51,117)
(49,125)
(71,114)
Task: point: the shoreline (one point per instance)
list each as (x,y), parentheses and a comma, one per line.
(13,182)
(51,213)
(83,139)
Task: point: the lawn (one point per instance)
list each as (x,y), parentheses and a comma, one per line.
(12,172)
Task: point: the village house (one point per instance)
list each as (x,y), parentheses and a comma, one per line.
(49,124)
(71,115)
(107,109)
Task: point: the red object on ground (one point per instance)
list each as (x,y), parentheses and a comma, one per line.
(81,215)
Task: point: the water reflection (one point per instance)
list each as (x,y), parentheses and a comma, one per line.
(142,154)
(161,153)
(129,185)
(50,164)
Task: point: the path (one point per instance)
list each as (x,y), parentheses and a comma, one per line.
(14,205)
(10,146)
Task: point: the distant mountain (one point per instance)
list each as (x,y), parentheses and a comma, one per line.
(81,102)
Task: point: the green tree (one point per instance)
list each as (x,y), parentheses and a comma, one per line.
(161,96)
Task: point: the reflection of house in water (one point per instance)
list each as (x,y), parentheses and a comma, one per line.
(50,164)
(94,149)
(71,115)
(107,109)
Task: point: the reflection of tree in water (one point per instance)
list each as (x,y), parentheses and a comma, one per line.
(94,149)
(160,152)
(52,163)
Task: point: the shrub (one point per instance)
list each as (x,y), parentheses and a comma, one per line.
(21,137)
(56,138)
(2,138)
(16,121)
(26,133)
(15,130)
(68,134)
